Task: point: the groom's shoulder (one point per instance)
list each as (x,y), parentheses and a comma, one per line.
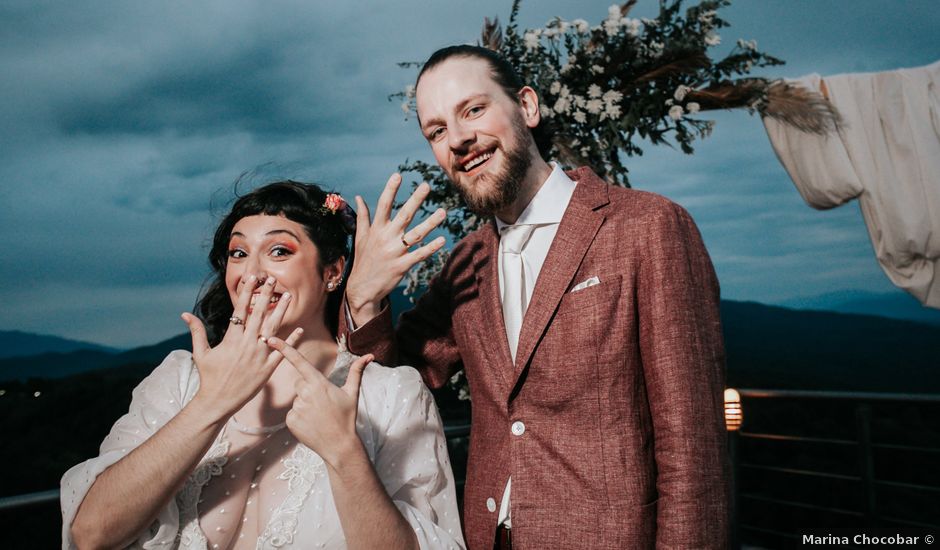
(622,202)
(473,241)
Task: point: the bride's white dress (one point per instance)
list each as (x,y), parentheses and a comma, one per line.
(398,423)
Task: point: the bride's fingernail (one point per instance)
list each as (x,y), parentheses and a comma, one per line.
(285,296)
(269,280)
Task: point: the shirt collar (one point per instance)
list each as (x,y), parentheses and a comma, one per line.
(549,204)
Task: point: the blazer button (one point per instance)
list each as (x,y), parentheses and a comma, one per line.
(491,504)
(518,428)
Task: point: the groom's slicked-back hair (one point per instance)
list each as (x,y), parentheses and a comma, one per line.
(503,73)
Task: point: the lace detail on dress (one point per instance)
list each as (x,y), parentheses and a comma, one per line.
(190,535)
(301,471)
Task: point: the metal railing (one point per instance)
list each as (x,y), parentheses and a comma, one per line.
(861,445)
(860,471)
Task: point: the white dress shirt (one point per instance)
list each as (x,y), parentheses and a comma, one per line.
(545,211)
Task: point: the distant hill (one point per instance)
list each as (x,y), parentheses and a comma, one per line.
(895,305)
(766,346)
(775,347)
(59,365)
(16,343)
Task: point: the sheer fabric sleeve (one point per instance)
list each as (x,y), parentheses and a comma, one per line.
(412,462)
(156,400)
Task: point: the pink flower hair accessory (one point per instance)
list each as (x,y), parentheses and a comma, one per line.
(334,203)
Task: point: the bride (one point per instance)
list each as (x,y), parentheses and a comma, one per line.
(270,434)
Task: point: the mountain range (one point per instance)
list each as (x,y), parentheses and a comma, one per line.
(766,347)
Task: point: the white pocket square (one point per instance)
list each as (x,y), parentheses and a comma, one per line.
(585,284)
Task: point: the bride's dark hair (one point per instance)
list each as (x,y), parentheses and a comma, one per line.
(304,203)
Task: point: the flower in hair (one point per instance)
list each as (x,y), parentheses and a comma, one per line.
(334,203)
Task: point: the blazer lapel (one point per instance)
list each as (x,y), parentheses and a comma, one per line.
(572,240)
(492,329)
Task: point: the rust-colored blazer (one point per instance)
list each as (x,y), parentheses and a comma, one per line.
(619,385)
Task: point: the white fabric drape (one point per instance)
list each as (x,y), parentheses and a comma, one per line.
(888,156)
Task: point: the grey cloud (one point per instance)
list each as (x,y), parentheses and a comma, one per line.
(124,123)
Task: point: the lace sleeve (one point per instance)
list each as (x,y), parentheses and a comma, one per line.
(412,462)
(156,400)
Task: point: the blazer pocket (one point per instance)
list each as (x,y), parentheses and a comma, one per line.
(597,296)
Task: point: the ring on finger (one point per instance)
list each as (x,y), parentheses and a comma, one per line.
(404,242)
(236,320)
(263,339)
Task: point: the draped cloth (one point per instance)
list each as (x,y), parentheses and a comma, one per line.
(887,154)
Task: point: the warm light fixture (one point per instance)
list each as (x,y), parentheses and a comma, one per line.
(734,415)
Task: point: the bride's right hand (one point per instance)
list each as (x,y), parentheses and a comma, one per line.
(232,372)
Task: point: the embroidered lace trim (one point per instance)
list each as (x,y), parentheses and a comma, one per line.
(301,471)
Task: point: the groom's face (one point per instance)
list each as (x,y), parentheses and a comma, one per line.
(477,132)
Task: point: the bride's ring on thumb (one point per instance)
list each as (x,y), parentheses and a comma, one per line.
(263,339)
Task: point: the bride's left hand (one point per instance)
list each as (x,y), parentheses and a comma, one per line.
(323,416)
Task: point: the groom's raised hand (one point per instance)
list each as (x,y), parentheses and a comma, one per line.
(385,248)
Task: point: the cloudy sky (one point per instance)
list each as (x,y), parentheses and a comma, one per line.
(123,123)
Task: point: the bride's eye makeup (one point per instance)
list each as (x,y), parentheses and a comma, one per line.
(281,250)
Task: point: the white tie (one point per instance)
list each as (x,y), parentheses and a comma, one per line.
(515,286)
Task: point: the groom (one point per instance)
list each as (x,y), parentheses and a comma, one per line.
(585,317)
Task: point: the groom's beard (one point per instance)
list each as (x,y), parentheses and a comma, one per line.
(485,199)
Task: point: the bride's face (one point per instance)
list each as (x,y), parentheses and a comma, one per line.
(274,246)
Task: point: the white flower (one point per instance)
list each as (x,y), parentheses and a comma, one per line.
(531,40)
(613,111)
(632,25)
(669,102)
(611,26)
(613,12)
(681,91)
(564,92)
(406,108)
(585,150)
(578,101)
(410,91)
(649,22)
(693,107)
(612,96)
(575,142)
(580,117)
(597,69)
(563,26)
(546,111)
(712,38)
(748,66)
(554,88)
(562,105)
(594,90)
(580,25)
(594,106)
(752,45)
(675,113)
